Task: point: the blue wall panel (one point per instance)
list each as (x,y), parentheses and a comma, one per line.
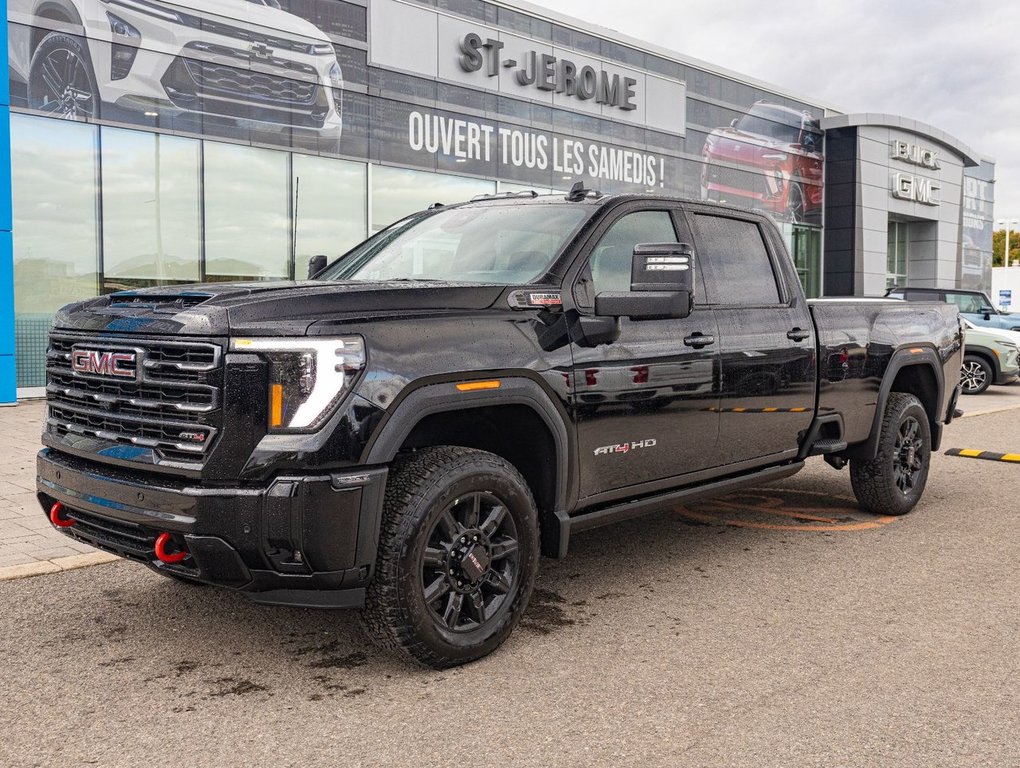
(7,371)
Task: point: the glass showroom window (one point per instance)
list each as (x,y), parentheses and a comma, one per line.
(247,213)
(151,210)
(896,255)
(56,241)
(330,207)
(805,244)
(396,192)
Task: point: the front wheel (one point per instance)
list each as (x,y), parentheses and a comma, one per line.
(975,376)
(795,205)
(458,553)
(61,80)
(893,482)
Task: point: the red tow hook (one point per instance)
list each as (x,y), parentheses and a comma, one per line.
(161,552)
(56,512)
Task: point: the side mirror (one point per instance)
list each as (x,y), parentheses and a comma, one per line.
(733,122)
(661,285)
(316,264)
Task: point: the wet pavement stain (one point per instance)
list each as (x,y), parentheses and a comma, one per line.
(339,660)
(230,686)
(182,668)
(545,613)
(117,662)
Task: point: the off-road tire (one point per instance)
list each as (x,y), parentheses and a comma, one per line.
(875,482)
(420,486)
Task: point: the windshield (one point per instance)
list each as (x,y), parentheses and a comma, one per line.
(772,123)
(503,244)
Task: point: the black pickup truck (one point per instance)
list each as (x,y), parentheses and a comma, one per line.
(410,429)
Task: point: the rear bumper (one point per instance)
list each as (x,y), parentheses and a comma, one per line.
(301,540)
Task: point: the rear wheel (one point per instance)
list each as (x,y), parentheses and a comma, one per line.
(458,553)
(975,376)
(893,481)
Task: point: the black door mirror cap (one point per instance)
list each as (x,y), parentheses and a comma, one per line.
(658,267)
(645,305)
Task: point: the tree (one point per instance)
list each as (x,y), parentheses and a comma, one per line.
(999,246)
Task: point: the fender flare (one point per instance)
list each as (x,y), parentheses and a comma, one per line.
(906,358)
(63,7)
(430,399)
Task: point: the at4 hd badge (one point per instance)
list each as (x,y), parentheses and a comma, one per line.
(608,450)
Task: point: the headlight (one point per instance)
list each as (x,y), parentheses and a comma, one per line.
(308,377)
(152,9)
(321,49)
(336,75)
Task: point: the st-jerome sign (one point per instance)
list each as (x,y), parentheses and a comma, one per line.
(549,73)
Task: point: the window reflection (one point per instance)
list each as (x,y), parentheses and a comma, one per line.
(396,192)
(330,208)
(246,213)
(56,229)
(151,216)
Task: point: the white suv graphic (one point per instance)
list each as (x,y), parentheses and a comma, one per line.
(239,62)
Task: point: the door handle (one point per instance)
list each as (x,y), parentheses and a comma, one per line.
(698,340)
(798,334)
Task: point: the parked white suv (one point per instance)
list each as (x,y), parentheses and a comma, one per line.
(240,62)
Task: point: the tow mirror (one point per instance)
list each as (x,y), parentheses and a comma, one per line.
(316,264)
(661,285)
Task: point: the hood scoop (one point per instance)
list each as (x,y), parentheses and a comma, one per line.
(160,303)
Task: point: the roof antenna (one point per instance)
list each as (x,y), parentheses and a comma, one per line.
(577,192)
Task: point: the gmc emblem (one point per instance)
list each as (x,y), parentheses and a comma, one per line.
(92,362)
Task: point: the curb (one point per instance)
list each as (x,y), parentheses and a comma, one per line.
(990,411)
(56,565)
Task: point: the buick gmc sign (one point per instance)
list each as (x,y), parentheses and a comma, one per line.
(909,186)
(548,73)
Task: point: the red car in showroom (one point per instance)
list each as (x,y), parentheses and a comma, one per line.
(769,158)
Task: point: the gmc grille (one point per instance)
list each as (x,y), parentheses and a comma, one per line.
(172,407)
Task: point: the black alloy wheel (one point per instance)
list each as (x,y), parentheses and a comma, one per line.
(910,455)
(471,562)
(61,80)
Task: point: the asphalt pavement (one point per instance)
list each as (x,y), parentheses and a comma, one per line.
(780,627)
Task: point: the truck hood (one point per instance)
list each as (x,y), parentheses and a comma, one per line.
(284,308)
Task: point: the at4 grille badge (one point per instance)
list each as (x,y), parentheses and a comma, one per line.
(94,362)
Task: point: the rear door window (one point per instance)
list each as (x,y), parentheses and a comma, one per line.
(738,270)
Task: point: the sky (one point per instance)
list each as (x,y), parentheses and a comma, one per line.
(953,65)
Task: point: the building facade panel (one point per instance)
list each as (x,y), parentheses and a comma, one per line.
(230,139)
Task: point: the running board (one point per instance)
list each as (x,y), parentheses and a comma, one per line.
(637,507)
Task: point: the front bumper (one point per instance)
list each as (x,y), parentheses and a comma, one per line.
(301,540)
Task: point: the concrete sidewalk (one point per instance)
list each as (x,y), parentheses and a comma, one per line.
(30,546)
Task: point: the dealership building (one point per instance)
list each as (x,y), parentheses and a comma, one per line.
(164,142)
